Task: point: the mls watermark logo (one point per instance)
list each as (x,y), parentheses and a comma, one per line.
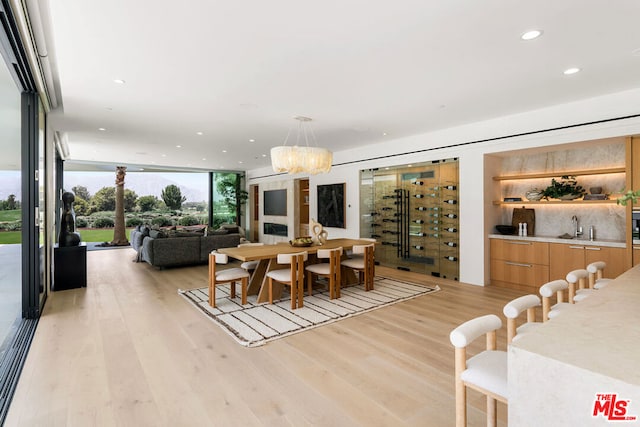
(611,408)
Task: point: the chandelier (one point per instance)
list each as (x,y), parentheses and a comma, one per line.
(301,159)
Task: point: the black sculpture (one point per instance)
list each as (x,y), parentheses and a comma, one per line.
(68,235)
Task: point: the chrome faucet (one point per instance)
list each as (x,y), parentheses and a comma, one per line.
(577,230)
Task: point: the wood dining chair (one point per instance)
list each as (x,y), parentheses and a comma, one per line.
(363,263)
(330,270)
(229,275)
(485,372)
(292,277)
(250,266)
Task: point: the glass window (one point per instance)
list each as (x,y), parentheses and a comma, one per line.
(10,212)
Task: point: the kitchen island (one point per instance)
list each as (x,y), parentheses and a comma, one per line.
(570,370)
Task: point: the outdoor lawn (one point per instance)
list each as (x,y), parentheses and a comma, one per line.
(87,235)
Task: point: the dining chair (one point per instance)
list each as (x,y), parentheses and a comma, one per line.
(578,290)
(485,372)
(229,275)
(364,264)
(292,277)
(250,266)
(512,311)
(547,291)
(330,270)
(596,273)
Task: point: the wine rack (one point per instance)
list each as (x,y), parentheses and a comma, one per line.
(414,214)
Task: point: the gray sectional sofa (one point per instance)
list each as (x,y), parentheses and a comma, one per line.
(166,249)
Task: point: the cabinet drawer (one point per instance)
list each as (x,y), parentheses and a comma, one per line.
(520,273)
(520,251)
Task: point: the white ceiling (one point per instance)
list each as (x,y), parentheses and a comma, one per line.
(240,70)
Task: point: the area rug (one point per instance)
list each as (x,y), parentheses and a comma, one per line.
(255,324)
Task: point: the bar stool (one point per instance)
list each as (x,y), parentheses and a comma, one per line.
(514,308)
(596,273)
(485,372)
(292,277)
(230,275)
(364,264)
(547,292)
(578,278)
(330,270)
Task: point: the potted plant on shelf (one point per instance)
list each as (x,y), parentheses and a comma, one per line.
(629,195)
(565,189)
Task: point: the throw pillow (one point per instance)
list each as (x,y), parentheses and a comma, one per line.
(231,228)
(218,232)
(157,234)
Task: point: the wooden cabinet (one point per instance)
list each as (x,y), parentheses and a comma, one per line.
(564,258)
(519,264)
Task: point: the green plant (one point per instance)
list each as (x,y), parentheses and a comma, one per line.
(567,186)
(103,223)
(132,222)
(81,222)
(629,195)
(161,221)
(188,220)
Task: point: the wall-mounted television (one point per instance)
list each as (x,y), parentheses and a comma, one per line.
(275,202)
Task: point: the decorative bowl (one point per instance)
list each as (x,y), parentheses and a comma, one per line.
(570,196)
(506,229)
(301,242)
(534,195)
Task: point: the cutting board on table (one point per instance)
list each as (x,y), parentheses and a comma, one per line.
(525,215)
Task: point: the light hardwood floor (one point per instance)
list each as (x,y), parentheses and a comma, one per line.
(129,351)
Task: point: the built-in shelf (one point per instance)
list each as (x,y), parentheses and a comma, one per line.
(620,169)
(557,202)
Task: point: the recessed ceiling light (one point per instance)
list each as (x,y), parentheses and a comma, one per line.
(178,146)
(163,155)
(384,134)
(570,71)
(252,140)
(102,129)
(531,34)
(224,151)
(119,81)
(240,162)
(199,133)
(264,155)
(204,158)
(141,169)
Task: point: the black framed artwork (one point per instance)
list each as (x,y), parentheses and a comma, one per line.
(331,205)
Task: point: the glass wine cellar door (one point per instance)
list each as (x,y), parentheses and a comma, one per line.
(413,212)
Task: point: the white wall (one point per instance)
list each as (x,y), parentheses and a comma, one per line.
(474,227)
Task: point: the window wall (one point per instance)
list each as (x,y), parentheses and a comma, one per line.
(10,209)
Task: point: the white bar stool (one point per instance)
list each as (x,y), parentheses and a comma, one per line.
(512,311)
(596,273)
(547,291)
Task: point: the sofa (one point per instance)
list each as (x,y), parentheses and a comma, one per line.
(188,246)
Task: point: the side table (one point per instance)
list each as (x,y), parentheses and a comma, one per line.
(70,267)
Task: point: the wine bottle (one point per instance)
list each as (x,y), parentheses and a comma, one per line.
(390,220)
(433,235)
(435,228)
(418,221)
(386,208)
(450,187)
(418,196)
(451,258)
(375,224)
(421,208)
(390,232)
(435,215)
(418,247)
(451,230)
(434,221)
(450,201)
(451,215)
(452,244)
(418,183)
(418,234)
(376,236)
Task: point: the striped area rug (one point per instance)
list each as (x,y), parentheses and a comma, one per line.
(254,324)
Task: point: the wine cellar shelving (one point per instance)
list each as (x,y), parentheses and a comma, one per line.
(413,213)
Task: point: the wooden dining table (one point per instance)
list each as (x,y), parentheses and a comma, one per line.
(267,254)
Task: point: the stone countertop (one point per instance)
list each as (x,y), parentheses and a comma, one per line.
(555,239)
(591,348)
